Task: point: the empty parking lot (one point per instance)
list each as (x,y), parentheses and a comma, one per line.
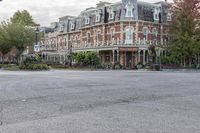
(99,102)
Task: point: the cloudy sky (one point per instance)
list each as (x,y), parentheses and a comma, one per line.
(46,11)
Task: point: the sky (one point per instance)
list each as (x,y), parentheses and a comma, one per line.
(46,11)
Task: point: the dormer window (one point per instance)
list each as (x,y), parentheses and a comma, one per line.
(61,28)
(87,20)
(111,13)
(72,25)
(156,14)
(98,16)
(169,16)
(129,10)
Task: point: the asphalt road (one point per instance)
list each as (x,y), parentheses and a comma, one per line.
(99,102)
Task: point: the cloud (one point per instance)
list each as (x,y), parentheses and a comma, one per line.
(47,11)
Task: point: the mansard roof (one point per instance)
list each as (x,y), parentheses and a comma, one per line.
(142,11)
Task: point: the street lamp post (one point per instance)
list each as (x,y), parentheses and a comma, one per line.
(36,36)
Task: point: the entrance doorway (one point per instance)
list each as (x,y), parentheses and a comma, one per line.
(129,60)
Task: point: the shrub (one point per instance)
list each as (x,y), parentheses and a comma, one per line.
(34,67)
(106,65)
(87,59)
(117,65)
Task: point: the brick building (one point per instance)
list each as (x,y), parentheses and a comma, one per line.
(118,32)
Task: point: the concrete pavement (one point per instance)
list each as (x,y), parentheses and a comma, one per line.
(99,102)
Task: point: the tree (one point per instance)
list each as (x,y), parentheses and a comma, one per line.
(21,31)
(23,18)
(185,30)
(5,42)
(21,37)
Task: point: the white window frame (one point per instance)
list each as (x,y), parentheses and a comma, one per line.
(98,34)
(155,31)
(61,27)
(87,20)
(129,9)
(145,34)
(129,35)
(88,38)
(156,13)
(112,33)
(169,16)
(111,13)
(72,25)
(98,16)
(155,38)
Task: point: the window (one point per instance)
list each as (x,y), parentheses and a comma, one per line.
(65,42)
(72,25)
(112,33)
(76,41)
(155,33)
(129,10)
(97,36)
(169,16)
(156,14)
(145,33)
(61,28)
(111,13)
(88,38)
(87,20)
(129,35)
(98,16)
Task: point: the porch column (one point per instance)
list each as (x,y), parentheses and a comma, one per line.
(144,54)
(117,55)
(54,58)
(98,53)
(47,58)
(147,58)
(139,56)
(113,52)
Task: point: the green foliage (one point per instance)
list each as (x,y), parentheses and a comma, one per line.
(23,18)
(21,36)
(10,67)
(34,67)
(185,29)
(88,58)
(80,58)
(168,60)
(18,33)
(33,63)
(117,66)
(5,42)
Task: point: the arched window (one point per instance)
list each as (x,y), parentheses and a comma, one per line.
(145,33)
(97,36)
(129,35)
(112,33)
(154,35)
(88,39)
